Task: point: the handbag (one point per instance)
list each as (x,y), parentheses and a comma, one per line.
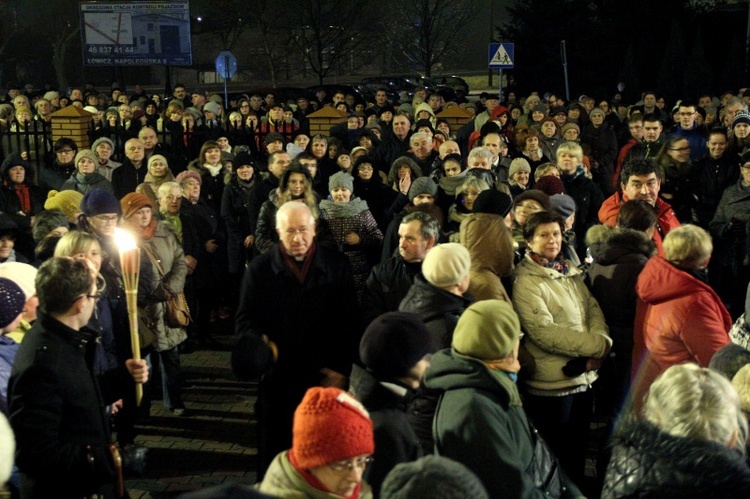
(146,333)
(178,312)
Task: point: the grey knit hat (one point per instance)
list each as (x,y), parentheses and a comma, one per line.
(519,165)
(100,140)
(422,185)
(432,476)
(46,221)
(341,179)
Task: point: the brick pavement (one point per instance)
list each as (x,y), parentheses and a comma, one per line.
(214,445)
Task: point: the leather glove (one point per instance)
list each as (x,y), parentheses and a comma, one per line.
(575,367)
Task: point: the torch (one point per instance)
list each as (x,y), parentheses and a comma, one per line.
(130,263)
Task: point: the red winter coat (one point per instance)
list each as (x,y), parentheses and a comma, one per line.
(666,222)
(678,319)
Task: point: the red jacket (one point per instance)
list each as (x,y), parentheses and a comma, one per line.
(667,218)
(621,159)
(678,319)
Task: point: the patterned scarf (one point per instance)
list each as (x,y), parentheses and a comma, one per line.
(559,264)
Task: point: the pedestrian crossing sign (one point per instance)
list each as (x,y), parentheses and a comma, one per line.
(501,55)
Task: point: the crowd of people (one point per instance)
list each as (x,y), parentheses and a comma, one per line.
(424,308)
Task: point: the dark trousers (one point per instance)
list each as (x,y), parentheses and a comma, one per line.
(564,423)
(168,364)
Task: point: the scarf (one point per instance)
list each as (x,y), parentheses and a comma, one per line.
(299,273)
(559,264)
(332,209)
(157,181)
(314,482)
(213,169)
(450,184)
(144,233)
(176,223)
(246,185)
(22,191)
(568,177)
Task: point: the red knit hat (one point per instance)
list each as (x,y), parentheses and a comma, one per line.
(330,425)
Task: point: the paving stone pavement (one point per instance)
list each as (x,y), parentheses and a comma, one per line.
(215,444)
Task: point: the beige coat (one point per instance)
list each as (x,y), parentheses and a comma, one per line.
(167,249)
(562,321)
(491,248)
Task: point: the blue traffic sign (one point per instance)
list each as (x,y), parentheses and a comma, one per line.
(500,55)
(226,64)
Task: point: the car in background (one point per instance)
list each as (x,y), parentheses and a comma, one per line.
(455,82)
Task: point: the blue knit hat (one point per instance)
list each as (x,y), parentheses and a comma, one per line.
(98,201)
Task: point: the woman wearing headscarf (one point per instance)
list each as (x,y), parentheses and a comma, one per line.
(85,177)
(169,270)
(158,173)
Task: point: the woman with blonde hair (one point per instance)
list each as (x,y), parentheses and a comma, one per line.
(679,317)
(690,442)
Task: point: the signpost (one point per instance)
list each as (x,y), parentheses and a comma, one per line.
(226,66)
(501,56)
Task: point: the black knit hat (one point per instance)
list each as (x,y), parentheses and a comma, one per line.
(432,476)
(493,202)
(243,158)
(12,300)
(394,343)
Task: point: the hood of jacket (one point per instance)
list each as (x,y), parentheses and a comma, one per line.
(660,281)
(15,159)
(424,107)
(480,233)
(610,245)
(451,371)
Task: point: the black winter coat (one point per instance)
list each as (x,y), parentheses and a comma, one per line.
(589,199)
(57,409)
(127,177)
(713,177)
(388,284)
(395,440)
(648,463)
(237,217)
(437,308)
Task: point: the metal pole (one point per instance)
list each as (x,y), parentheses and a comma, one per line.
(500,83)
(564,54)
(226,77)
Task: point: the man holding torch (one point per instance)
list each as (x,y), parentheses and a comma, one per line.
(57,404)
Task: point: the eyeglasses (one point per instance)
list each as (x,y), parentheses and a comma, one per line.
(351,465)
(106,219)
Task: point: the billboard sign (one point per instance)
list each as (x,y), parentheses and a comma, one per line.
(136,33)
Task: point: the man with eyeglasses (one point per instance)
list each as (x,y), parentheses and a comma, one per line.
(57,403)
(689,129)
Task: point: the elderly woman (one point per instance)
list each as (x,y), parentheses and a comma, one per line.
(490,244)
(730,227)
(169,271)
(353,227)
(567,337)
(103,147)
(332,442)
(20,199)
(679,317)
(463,206)
(518,177)
(525,205)
(690,442)
(158,173)
(527,141)
(86,178)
